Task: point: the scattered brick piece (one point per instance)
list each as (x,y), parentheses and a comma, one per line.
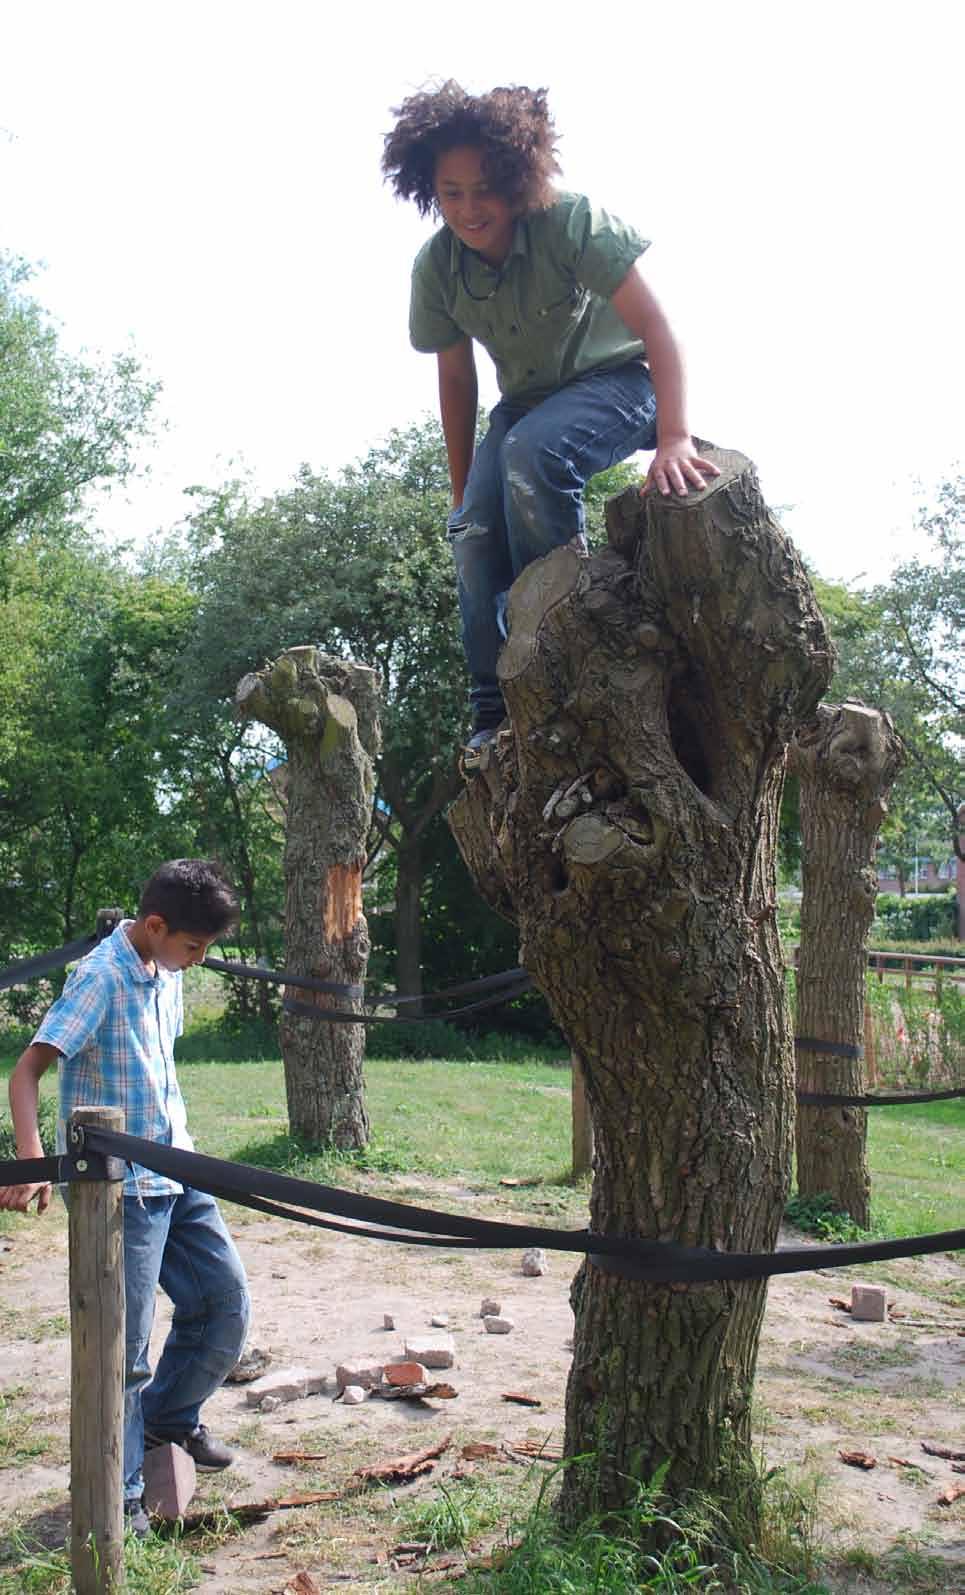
(405,1373)
(170,1481)
(869,1303)
(490,1308)
(433,1351)
(285,1384)
(364,1371)
(534,1262)
(498,1326)
(388,1321)
(353,1395)
(439,1320)
(950,1496)
(249,1366)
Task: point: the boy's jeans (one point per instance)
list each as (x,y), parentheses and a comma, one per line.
(524,497)
(181,1243)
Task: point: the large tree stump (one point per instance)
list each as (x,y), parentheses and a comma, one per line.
(628,824)
(326,712)
(847,758)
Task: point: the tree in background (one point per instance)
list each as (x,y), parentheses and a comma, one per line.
(64,424)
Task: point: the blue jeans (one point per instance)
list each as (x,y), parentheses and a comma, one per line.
(181,1243)
(524,497)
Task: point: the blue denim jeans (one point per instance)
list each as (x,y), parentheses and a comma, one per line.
(524,497)
(181,1244)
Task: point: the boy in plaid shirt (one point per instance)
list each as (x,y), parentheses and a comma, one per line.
(112,1033)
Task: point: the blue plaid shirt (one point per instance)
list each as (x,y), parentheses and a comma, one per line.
(114,1025)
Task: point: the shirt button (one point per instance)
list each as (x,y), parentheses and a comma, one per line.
(514,329)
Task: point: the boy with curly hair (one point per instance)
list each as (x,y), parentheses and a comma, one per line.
(587,365)
(111,1033)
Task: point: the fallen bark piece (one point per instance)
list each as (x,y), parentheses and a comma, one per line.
(839,1302)
(400,1469)
(288,1457)
(951,1495)
(858,1459)
(904,1462)
(479,1450)
(520,1399)
(943,1451)
(537,1448)
(254,1511)
(958,1467)
(301,1584)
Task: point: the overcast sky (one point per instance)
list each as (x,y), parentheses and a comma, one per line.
(203,180)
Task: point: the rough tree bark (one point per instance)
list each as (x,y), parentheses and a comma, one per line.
(326,712)
(847,758)
(627,823)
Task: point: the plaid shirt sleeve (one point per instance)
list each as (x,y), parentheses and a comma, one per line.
(78,1013)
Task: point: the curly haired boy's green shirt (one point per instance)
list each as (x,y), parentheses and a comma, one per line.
(544,315)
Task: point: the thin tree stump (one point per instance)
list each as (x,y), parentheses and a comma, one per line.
(628,822)
(95,1229)
(846,758)
(326,712)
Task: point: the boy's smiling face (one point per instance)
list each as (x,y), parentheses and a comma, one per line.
(478,216)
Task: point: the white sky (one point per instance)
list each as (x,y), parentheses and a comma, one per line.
(203,179)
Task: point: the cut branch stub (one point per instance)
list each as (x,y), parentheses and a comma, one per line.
(326,711)
(628,823)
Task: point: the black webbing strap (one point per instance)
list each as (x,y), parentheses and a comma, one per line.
(659,1262)
(45,963)
(834,1049)
(31,1171)
(341,1016)
(879,1099)
(284,977)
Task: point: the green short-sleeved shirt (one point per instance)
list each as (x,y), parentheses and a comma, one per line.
(544,316)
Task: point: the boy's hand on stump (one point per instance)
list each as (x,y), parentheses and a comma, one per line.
(17,1198)
(677,466)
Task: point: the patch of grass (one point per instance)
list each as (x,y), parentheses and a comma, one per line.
(17,1326)
(454,1517)
(20,1440)
(910,1569)
(818,1215)
(154,1567)
(861,1355)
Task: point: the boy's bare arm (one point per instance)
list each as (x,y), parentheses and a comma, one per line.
(24,1084)
(676,462)
(458,401)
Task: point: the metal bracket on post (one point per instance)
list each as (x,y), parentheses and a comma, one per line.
(80,1163)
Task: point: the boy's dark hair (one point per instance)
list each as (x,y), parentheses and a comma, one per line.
(191,894)
(512,127)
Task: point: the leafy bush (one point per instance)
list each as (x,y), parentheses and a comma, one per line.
(47,1121)
(919,918)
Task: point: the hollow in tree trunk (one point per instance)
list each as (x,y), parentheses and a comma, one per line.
(326,712)
(847,758)
(627,822)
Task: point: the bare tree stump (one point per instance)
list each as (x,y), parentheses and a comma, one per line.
(628,823)
(326,712)
(847,758)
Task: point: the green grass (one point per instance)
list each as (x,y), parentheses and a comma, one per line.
(20,1439)
(153,1567)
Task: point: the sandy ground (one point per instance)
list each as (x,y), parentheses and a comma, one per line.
(825,1383)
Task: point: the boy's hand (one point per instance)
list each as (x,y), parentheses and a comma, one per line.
(17,1198)
(677,464)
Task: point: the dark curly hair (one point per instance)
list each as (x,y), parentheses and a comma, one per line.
(511,126)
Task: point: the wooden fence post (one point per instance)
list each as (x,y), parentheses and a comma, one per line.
(582,1124)
(96,1249)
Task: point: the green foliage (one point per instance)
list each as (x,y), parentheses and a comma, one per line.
(914,918)
(46,1123)
(63,424)
(153,1567)
(818,1215)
